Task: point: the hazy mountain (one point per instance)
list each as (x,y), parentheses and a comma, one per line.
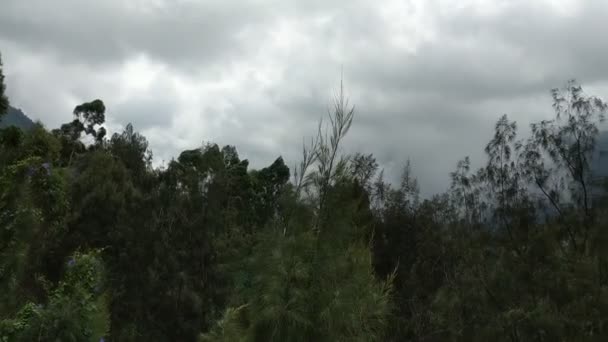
(600,162)
(16,117)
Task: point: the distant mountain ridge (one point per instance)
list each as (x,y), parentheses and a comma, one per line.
(600,160)
(16,117)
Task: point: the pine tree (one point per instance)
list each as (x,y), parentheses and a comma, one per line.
(310,276)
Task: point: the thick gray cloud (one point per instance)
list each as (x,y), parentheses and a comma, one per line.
(428,77)
(100,32)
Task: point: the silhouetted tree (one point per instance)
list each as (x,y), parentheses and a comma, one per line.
(3,97)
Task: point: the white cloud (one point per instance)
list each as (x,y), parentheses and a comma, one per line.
(428,77)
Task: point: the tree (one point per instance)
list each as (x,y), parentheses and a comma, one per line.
(90,115)
(569,142)
(515,288)
(76,309)
(310,274)
(131,148)
(268,184)
(3,98)
(96,243)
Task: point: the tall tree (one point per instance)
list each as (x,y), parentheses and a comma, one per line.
(310,275)
(569,142)
(3,98)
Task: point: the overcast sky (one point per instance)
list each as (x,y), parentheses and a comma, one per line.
(428,77)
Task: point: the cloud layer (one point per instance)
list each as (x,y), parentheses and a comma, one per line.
(428,77)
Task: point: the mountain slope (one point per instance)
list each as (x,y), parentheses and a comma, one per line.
(16,117)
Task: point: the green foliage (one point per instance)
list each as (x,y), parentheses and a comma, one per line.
(91,114)
(75,310)
(309,275)
(96,243)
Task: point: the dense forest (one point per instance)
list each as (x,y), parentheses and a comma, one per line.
(96,244)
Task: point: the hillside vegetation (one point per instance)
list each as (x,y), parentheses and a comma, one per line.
(98,245)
